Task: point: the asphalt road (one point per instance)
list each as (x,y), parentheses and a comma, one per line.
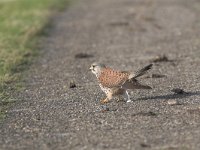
(53,114)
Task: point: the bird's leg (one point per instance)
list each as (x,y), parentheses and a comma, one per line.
(127,97)
(107,99)
(103,101)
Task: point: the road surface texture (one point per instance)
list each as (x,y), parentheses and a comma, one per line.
(60,107)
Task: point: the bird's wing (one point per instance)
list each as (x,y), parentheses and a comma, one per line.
(134,84)
(111,78)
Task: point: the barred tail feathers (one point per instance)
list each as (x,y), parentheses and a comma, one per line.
(140,72)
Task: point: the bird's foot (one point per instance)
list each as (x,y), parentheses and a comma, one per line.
(104,101)
(129,101)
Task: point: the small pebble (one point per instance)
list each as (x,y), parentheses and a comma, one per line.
(162,58)
(145,145)
(72,84)
(172,102)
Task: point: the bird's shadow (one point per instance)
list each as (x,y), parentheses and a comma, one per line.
(169,96)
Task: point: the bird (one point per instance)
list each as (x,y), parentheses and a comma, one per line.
(116,83)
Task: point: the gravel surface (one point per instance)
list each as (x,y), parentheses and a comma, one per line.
(60,106)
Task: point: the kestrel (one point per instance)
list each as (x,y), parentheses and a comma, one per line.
(116,83)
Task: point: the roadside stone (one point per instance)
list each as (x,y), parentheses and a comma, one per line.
(72,84)
(172,102)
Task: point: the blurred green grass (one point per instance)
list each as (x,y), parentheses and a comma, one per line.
(21,21)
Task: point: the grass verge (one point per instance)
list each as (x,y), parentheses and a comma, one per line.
(21,21)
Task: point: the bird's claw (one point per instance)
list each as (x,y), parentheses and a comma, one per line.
(129,101)
(104,101)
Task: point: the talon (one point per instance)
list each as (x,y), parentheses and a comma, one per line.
(129,101)
(104,101)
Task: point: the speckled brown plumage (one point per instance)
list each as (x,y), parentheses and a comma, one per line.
(111,78)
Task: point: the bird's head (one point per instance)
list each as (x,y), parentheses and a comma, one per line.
(96,68)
